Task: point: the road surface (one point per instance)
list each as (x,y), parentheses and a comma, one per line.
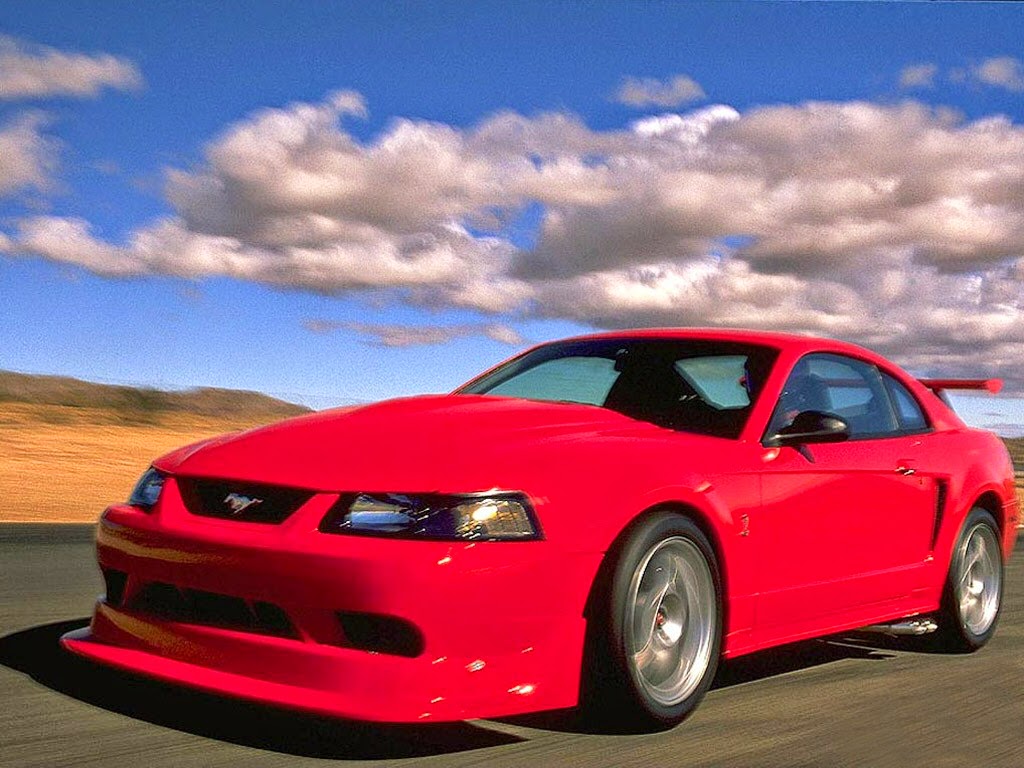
(843,702)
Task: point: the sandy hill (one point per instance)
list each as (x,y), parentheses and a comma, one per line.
(1016,448)
(68,447)
(142,403)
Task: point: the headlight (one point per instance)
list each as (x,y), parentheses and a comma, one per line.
(485,517)
(147,490)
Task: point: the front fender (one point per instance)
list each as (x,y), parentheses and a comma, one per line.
(722,508)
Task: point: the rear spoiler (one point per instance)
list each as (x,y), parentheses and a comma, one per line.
(939,386)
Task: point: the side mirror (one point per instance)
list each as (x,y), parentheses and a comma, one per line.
(812,427)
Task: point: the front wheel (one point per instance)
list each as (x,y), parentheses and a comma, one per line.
(660,633)
(974,588)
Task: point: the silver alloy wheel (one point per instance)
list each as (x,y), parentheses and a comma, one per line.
(980,579)
(671,621)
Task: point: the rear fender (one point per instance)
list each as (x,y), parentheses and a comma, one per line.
(984,480)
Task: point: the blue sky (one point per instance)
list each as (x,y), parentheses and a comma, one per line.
(348,201)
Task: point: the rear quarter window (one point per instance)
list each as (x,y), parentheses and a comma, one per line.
(908,410)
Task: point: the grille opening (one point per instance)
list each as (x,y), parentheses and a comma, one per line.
(383,634)
(211,608)
(115,583)
(158,599)
(194,606)
(244,502)
(273,618)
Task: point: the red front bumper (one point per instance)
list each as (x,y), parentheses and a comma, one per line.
(502,623)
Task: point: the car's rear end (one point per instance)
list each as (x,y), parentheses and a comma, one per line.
(996,467)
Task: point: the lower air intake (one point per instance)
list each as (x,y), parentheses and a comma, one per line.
(115,582)
(194,606)
(382,634)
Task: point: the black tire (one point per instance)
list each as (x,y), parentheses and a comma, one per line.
(965,627)
(620,689)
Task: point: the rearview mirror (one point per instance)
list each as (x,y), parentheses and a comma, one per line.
(812,427)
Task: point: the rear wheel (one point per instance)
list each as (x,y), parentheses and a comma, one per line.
(659,638)
(974,587)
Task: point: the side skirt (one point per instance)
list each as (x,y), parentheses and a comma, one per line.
(872,614)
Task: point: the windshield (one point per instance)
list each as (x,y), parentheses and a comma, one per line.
(703,386)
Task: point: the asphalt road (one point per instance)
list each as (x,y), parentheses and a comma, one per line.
(843,702)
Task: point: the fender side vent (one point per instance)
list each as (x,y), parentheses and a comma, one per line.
(941,492)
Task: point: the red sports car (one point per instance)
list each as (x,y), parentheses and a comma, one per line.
(595,522)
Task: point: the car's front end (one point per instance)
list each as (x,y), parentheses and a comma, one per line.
(371,627)
(335,596)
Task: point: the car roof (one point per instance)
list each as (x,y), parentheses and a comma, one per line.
(789,341)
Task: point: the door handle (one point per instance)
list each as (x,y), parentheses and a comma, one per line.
(903,469)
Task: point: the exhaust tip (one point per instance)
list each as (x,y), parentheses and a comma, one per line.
(914,627)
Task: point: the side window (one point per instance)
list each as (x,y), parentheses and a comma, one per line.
(574,379)
(841,385)
(909,413)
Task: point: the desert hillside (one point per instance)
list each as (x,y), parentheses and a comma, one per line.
(141,403)
(1016,448)
(68,447)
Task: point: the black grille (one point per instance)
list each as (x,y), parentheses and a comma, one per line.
(245,502)
(194,606)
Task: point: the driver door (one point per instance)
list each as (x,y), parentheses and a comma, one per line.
(845,527)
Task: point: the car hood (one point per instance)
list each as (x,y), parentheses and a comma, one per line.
(444,443)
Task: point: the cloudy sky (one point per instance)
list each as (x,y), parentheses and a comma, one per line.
(336,202)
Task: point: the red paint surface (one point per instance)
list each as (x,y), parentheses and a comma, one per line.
(807,548)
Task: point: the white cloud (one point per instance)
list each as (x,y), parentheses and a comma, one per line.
(33,71)
(651,92)
(349,103)
(918,76)
(27,156)
(900,226)
(506,334)
(689,129)
(1001,72)
(389,335)
(69,241)
(168,247)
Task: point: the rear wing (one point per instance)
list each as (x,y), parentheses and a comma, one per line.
(940,386)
